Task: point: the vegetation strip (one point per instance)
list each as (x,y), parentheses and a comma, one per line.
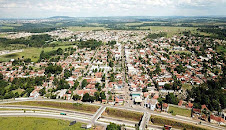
(69,106)
(157,120)
(124,114)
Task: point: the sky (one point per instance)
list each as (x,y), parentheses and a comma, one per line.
(102,8)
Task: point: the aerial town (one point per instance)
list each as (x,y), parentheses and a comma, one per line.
(122,68)
(112,65)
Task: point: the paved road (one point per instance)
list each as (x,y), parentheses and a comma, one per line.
(144,121)
(70,117)
(168,116)
(98,114)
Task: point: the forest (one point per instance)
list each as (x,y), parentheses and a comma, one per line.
(32,41)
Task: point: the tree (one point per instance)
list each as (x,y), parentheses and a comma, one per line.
(67,73)
(53,69)
(84,83)
(102,95)
(113,126)
(42,91)
(1,76)
(60,51)
(76,97)
(157,69)
(97,96)
(86,98)
(16,95)
(76,83)
(167,86)
(171,98)
(145,89)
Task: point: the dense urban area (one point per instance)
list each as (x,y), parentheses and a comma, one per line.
(132,74)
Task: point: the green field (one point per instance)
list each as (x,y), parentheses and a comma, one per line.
(13,25)
(70,106)
(186,86)
(123,114)
(30,52)
(3,34)
(61,43)
(161,121)
(19,90)
(179,111)
(33,123)
(78,28)
(6,27)
(222,49)
(168,29)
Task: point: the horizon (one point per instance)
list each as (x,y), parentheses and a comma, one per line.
(31,9)
(33,18)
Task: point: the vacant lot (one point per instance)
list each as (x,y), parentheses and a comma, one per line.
(179,111)
(33,123)
(69,106)
(124,114)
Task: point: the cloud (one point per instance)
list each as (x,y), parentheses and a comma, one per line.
(46,8)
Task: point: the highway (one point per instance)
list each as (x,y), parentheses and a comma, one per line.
(90,116)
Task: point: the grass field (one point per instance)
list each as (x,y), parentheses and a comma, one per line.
(78,28)
(3,34)
(180,111)
(13,24)
(19,90)
(6,27)
(222,49)
(157,120)
(186,86)
(31,52)
(61,43)
(123,114)
(33,123)
(61,105)
(169,30)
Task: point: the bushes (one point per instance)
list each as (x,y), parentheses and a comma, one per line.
(173,123)
(130,115)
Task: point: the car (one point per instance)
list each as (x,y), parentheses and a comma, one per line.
(63,114)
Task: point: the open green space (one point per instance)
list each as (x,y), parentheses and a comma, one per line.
(186,86)
(19,90)
(31,52)
(157,120)
(6,27)
(179,111)
(34,123)
(124,114)
(61,105)
(13,47)
(3,34)
(221,49)
(79,28)
(12,24)
(169,29)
